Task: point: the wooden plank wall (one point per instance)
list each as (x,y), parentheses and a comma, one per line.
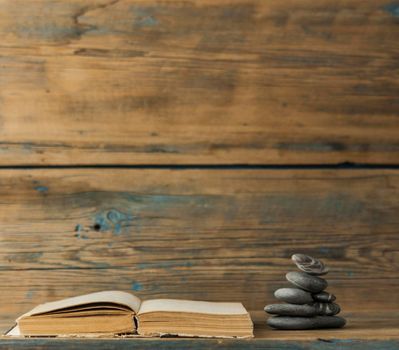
(139,144)
(199,81)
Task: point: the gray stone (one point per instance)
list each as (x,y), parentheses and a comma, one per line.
(324,297)
(286,322)
(294,296)
(327,309)
(306,282)
(310,265)
(291,310)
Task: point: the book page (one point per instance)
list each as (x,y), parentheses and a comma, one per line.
(13,332)
(116,297)
(191,306)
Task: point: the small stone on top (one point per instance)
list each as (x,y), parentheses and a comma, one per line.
(310,265)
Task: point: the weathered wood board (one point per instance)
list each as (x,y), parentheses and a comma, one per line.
(196,344)
(199,82)
(364,331)
(224,235)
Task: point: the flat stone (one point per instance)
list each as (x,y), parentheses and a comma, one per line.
(291,310)
(293,323)
(324,297)
(294,296)
(310,265)
(327,309)
(306,282)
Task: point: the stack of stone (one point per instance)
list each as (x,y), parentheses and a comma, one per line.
(307,306)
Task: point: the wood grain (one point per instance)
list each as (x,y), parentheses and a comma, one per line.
(198,82)
(197,344)
(221,234)
(365,331)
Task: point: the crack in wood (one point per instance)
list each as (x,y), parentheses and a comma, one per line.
(82,27)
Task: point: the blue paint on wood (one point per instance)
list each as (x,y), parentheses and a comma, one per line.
(101,265)
(311,146)
(393,9)
(79,228)
(28,257)
(143,17)
(41,189)
(158,202)
(115,216)
(113,220)
(81,236)
(34,256)
(101,221)
(27,147)
(167,265)
(29,294)
(148,22)
(136,286)
(117,228)
(49,31)
(338,206)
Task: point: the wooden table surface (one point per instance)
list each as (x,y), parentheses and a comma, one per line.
(364,330)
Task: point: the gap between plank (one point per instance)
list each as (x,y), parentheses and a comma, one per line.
(345,165)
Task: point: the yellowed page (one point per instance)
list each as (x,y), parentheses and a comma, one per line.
(116,297)
(192,306)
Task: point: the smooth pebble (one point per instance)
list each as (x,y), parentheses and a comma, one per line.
(297,323)
(292,310)
(294,296)
(324,297)
(327,309)
(306,282)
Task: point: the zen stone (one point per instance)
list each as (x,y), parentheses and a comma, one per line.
(309,264)
(306,282)
(327,309)
(286,322)
(324,297)
(294,296)
(292,310)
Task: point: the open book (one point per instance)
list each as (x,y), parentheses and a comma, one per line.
(112,313)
